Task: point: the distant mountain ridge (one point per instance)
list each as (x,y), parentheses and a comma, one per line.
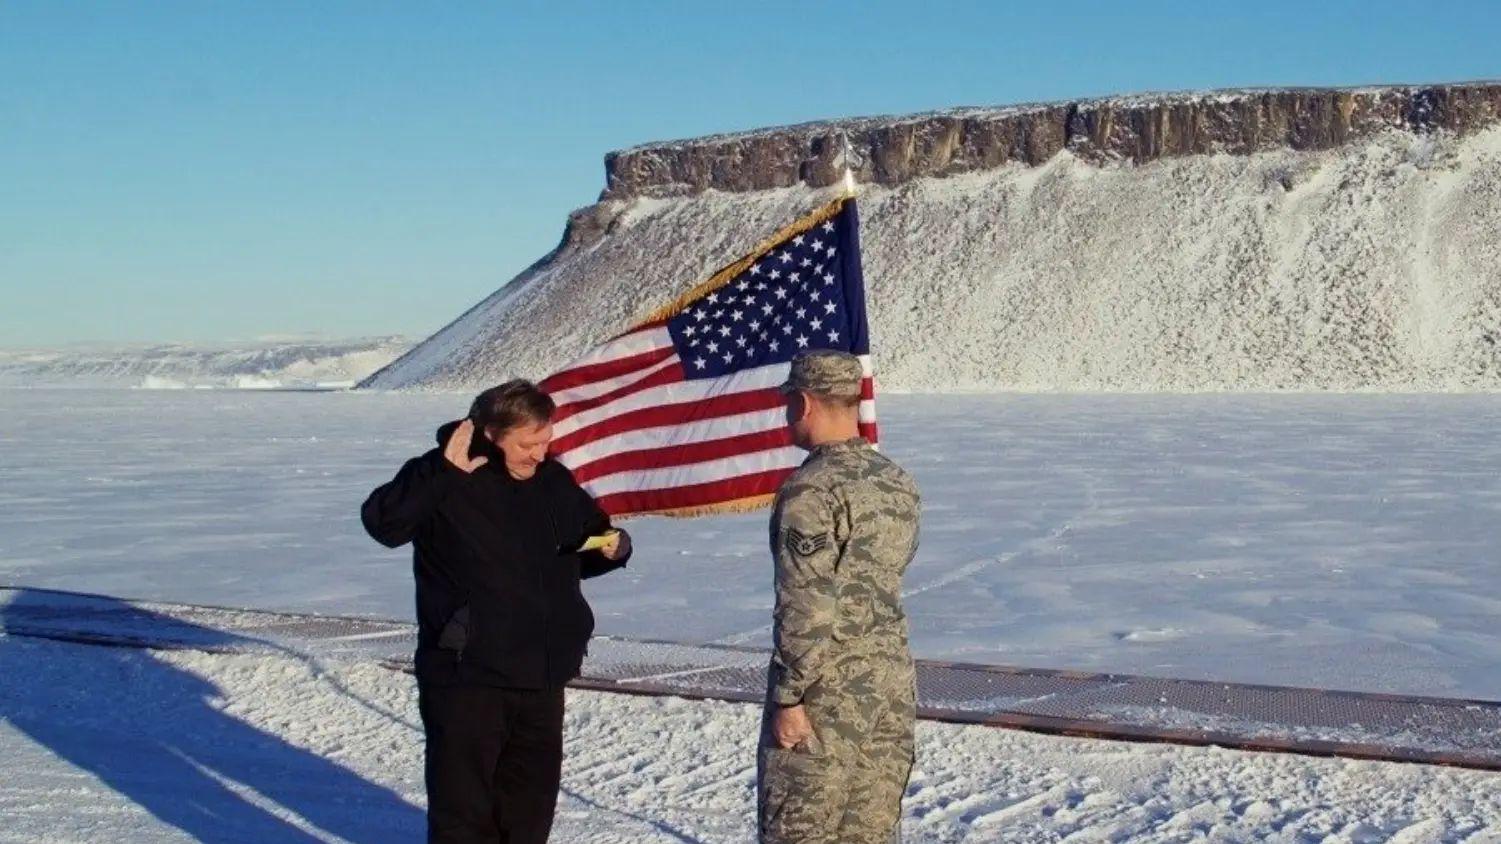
(290,364)
(1279,239)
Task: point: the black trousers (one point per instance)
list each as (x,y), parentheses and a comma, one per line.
(494,762)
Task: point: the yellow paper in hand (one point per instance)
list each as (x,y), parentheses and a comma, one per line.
(594,543)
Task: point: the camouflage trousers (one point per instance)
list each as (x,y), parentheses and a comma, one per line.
(845,787)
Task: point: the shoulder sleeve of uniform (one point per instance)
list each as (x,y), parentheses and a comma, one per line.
(806,554)
(912,484)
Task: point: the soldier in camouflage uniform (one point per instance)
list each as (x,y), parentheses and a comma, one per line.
(837,747)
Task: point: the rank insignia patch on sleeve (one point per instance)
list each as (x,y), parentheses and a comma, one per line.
(801,544)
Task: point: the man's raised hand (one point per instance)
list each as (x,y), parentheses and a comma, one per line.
(457,449)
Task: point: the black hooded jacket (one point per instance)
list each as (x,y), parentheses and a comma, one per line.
(498,598)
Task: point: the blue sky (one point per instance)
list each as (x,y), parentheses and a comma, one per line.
(203,171)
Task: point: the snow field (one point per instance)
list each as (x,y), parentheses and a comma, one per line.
(1333,541)
(281,749)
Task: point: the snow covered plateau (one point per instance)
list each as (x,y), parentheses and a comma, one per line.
(1367,264)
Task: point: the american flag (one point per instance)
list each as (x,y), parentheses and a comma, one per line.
(681,415)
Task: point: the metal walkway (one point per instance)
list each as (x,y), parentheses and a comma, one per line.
(1465,733)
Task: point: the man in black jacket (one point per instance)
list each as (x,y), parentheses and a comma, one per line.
(501,622)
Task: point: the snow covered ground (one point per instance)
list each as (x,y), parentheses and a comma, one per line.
(1343,541)
(105,744)
(1337,541)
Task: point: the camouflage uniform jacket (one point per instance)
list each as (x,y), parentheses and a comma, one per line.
(843,530)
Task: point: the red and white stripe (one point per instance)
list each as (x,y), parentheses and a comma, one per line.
(642,438)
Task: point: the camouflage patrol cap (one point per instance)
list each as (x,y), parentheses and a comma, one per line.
(825,372)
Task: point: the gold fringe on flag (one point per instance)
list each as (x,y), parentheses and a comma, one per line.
(728,272)
(739,505)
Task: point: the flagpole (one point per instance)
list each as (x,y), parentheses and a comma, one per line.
(849,172)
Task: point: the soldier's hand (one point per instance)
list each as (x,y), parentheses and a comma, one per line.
(456,451)
(790,726)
